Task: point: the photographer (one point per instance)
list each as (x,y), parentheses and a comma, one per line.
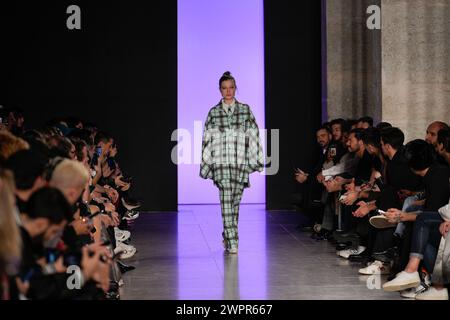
(39,278)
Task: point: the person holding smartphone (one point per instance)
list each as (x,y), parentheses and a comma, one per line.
(231,151)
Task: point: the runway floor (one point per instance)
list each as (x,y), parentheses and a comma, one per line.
(180,256)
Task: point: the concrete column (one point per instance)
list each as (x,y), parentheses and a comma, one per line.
(415,63)
(353,61)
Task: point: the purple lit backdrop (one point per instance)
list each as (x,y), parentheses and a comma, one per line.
(213,37)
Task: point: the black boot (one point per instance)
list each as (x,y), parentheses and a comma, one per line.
(125,267)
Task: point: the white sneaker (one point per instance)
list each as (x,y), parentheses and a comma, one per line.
(127,251)
(348,252)
(402,281)
(121,235)
(121,283)
(131,215)
(413,292)
(376,267)
(125,246)
(433,294)
(127,254)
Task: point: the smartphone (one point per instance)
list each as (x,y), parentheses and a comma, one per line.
(98,151)
(111,163)
(333,151)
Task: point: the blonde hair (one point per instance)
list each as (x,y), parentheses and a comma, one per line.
(69,174)
(10,240)
(10,144)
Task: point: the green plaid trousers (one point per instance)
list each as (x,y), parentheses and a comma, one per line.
(230,198)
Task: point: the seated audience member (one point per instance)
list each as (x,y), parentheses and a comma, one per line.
(364,123)
(337,129)
(28,168)
(71,178)
(337,147)
(384,125)
(74,123)
(313,193)
(10,243)
(396,179)
(42,226)
(15,121)
(443,145)
(432,131)
(351,124)
(10,144)
(363,169)
(420,156)
(441,271)
(61,147)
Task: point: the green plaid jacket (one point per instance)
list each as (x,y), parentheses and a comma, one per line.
(231,147)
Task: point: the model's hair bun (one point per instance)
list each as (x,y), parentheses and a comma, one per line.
(225,77)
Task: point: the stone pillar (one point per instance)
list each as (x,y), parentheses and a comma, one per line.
(415,63)
(353,61)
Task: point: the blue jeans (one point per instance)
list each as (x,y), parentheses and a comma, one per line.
(408,206)
(426,233)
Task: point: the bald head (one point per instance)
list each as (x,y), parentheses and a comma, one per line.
(432,131)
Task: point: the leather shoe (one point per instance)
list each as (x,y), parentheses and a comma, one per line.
(125,267)
(386,256)
(362,257)
(343,246)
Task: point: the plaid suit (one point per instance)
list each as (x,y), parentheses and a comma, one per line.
(231,150)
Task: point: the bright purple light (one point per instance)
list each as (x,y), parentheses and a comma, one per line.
(214,37)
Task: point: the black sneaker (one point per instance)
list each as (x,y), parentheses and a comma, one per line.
(386,256)
(362,257)
(124,268)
